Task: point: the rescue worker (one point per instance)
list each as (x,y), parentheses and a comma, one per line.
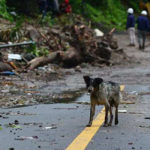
(142,26)
(130,26)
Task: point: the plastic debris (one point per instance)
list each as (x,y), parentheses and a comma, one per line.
(7,73)
(13,13)
(98,33)
(122,111)
(134,92)
(14,56)
(52,127)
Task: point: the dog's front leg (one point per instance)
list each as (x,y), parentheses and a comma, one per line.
(92,112)
(106,116)
(116,116)
(111,116)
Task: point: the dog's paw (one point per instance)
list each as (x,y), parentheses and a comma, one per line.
(89,125)
(105,125)
(109,124)
(116,122)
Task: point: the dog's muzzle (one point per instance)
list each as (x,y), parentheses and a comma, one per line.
(90,89)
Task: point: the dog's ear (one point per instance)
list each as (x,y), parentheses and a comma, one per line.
(87,80)
(97,81)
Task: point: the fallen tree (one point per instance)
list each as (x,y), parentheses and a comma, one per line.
(69,45)
(84,46)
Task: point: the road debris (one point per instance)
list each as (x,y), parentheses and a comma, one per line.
(22,138)
(122,111)
(137,112)
(147,117)
(52,127)
(11,125)
(143,126)
(17,44)
(66,108)
(127,102)
(144,93)
(14,56)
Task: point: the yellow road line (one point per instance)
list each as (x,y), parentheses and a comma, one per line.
(82,140)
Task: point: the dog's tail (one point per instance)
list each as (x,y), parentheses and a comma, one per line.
(120,93)
(122,87)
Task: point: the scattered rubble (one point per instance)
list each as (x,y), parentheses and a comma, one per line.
(68,46)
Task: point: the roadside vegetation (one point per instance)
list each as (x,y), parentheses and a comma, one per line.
(4,11)
(110,13)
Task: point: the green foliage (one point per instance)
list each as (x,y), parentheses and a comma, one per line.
(33,49)
(3,10)
(47,20)
(111,13)
(15,32)
(134,4)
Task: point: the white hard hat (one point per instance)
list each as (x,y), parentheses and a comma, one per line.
(130,11)
(144,12)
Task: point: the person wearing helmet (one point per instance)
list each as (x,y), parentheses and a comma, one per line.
(142,26)
(130,26)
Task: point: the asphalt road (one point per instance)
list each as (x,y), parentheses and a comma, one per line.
(55,126)
(46,127)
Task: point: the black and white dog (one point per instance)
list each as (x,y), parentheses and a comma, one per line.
(103,93)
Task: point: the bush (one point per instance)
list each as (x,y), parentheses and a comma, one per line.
(111,13)
(3,10)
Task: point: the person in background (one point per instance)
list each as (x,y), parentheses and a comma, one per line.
(53,7)
(142,26)
(43,7)
(65,7)
(130,26)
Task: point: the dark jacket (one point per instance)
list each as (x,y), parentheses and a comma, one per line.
(130,21)
(143,23)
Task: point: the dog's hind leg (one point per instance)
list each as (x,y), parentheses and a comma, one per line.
(106,116)
(116,115)
(92,112)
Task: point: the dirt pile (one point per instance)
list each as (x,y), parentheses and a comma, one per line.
(72,45)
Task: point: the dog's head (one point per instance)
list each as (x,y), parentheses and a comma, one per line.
(91,83)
